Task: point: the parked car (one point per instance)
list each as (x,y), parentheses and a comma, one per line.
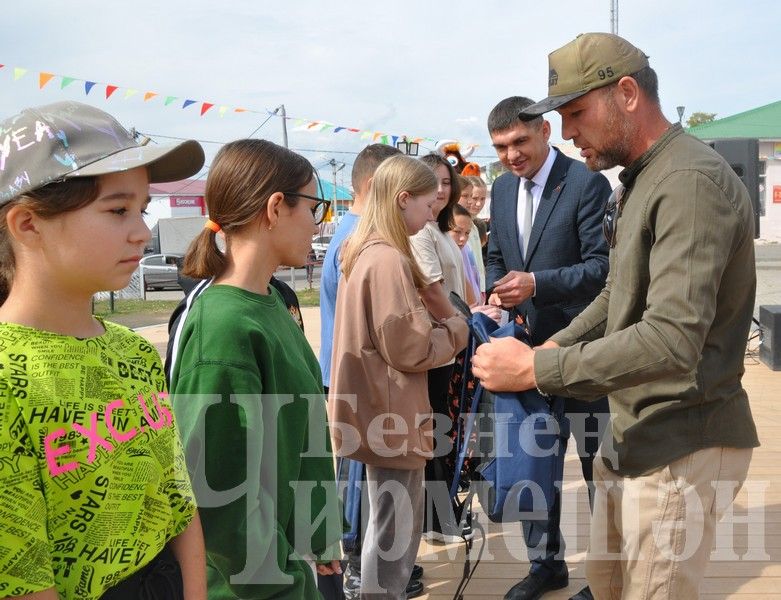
(160,271)
(320,245)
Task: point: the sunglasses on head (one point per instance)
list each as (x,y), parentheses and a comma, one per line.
(320,208)
(612,212)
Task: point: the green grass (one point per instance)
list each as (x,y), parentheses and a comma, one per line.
(309,297)
(140,313)
(306,297)
(129,307)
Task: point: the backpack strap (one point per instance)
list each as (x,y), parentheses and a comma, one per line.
(463,441)
(197,291)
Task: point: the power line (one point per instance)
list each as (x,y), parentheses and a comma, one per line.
(323,150)
(259,127)
(173,137)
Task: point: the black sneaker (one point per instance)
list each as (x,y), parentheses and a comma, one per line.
(414,588)
(352,581)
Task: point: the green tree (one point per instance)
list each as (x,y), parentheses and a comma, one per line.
(698,118)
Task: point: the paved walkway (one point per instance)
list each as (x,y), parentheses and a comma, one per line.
(746,564)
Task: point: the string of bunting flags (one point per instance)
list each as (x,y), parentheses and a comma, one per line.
(113,91)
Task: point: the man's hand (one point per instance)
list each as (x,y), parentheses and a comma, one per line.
(504,365)
(513,288)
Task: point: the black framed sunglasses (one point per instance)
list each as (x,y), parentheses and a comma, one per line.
(612,212)
(319,210)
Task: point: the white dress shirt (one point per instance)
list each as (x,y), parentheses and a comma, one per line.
(539,179)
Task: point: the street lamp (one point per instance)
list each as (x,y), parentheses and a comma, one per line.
(336,166)
(409,148)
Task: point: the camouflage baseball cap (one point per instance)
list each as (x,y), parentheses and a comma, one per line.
(590,61)
(58,141)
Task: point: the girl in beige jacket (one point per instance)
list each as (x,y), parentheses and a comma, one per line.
(384,342)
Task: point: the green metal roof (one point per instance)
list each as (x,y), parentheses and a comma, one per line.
(763,123)
(328,191)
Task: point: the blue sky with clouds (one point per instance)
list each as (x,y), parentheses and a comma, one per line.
(430,69)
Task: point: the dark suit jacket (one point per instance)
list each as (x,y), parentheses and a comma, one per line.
(567,251)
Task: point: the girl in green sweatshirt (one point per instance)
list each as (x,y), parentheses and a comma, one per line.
(247,387)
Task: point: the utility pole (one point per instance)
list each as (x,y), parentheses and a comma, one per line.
(336,166)
(283,114)
(614,17)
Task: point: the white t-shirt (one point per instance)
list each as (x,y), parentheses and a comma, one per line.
(439,258)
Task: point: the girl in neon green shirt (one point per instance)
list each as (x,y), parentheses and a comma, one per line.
(95,501)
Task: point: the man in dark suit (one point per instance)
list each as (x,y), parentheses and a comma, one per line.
(547,260)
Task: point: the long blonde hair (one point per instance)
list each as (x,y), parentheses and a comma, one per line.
(382,216)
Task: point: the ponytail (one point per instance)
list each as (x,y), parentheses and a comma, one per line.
(243,175)
(204,259)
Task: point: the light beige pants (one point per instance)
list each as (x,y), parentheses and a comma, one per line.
(651,536)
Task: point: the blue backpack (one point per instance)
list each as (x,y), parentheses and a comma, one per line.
(516,460)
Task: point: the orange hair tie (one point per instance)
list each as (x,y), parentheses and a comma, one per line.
(212,225)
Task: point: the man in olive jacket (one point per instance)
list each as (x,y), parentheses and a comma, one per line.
(664,339)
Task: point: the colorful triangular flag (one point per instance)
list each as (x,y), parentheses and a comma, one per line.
(43,79)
